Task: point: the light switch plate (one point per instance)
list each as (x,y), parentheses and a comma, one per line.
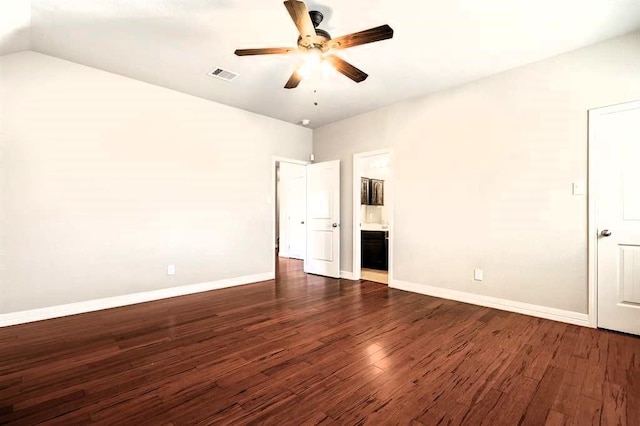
(478,274)
(579,188)
(171,270)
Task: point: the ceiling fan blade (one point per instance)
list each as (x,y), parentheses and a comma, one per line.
(346,68)
(300,15)
(371,35)
(294,80)
(265,51)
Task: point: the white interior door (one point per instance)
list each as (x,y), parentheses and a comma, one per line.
(292,210)
(323,219)
(298,216)
(617,140)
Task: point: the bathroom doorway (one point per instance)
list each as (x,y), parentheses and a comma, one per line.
(372,216)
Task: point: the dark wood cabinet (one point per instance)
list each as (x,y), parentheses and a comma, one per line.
(375,250)
(376,192)
(371,191)
(364,190)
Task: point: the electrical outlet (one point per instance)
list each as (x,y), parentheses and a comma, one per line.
(478,274)
(171,270)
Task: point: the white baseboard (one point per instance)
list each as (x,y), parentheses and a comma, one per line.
(496,303)
(346,275)
(40,314)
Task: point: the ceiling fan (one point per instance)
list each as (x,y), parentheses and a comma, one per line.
(317,43)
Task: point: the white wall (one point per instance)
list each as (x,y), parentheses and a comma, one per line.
(483,175)
(15,22)
(107,180)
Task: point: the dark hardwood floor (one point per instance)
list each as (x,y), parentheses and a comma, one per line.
(311,350)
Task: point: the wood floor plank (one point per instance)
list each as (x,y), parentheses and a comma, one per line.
(614,405)
(588,412)
(511,407)
(556,419)
(633,397)
(595,373)
(479,412)
(309,350)
(571,385)
(543,398)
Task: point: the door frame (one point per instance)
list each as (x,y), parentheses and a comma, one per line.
(594,120)
(274,202)
(389,202)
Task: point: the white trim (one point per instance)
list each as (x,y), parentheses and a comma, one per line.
(389,197)
(554,314)
(626,106)
(40,314)
(593,145)
(274,163)
(355,219)
(592,231)
(346,275)
(277,159)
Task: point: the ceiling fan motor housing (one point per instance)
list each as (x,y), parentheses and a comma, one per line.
(321,35)
(316,17)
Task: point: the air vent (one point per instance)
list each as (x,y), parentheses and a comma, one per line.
(222,74)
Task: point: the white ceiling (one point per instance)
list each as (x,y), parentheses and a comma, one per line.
(437,44)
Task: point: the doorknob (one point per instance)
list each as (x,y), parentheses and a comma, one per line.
(605,233)
(302,222)
(334,225)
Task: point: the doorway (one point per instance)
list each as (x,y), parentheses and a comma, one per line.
(614,217)
(291,206)
(289,194)
(306,214)
(373,216)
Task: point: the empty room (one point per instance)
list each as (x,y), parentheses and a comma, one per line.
(320,212)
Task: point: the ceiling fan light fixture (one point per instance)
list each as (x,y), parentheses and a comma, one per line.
(313,56)
(311,62)
(327,70)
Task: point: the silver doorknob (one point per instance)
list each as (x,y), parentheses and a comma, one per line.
(334,225)
(605,233)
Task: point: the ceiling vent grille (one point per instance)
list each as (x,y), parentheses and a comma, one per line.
(222,74)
